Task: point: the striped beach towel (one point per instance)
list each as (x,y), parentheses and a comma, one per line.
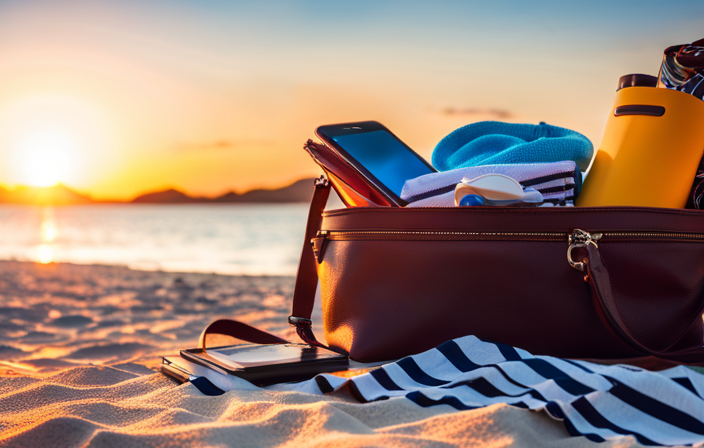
(592,400)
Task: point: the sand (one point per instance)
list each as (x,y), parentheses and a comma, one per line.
(80,346)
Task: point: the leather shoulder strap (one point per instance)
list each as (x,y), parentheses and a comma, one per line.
(307,275)
(602,295)
(239,330)
(303,293)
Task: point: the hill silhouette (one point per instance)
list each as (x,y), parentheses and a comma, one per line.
(56,195)
(60,194)
(170,196)
(299,191)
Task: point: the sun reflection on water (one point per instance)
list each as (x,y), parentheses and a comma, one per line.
(45,254)
(48,232)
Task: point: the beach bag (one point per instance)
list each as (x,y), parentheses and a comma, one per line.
(610,283)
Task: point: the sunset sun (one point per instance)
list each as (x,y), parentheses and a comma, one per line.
(46,158)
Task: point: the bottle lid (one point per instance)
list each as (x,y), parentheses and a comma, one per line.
(637,80)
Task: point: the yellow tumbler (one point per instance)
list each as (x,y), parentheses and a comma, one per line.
(650,151)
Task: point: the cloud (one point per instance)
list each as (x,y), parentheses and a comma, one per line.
(495,113)
(221,145)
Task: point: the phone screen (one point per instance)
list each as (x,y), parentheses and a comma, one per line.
(384,156)
(254,355)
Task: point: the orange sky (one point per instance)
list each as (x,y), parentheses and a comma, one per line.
(119,98)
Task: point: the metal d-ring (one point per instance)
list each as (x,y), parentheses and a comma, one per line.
(578,265)
(580,238)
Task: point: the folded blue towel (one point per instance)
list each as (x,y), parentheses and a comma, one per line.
(497,143)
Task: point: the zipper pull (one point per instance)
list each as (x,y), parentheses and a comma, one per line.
(319,243)
(580,238)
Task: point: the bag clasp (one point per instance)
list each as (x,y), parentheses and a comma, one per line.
(580,238)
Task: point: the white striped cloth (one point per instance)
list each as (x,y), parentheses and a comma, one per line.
(592,400)
(556,181)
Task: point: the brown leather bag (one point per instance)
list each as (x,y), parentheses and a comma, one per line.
(604,283)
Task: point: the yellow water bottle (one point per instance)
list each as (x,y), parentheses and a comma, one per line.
(651,148)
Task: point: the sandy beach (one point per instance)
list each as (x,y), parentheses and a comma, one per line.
(81,346)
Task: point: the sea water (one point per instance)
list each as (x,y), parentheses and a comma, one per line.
(252,239)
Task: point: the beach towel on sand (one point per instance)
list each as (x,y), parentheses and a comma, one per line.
(592,400)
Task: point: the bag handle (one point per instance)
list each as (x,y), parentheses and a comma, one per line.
(602,295)
(303,293)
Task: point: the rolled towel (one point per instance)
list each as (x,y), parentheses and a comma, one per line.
(495,142)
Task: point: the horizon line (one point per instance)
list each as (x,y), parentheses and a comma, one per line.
(5,188)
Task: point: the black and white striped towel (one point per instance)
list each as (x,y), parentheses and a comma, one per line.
(597,401)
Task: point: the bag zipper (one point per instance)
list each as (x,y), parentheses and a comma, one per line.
(576,235)
(342,235)
(577,238)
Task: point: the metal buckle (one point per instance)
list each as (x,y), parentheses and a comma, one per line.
(322,181)
(298,321)
(580,238)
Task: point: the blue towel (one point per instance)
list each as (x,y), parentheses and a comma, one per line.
(498,143)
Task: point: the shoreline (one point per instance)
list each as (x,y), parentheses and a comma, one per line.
(134,268)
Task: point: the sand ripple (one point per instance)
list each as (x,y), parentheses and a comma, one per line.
(111,406)
(58,316)
(78,343)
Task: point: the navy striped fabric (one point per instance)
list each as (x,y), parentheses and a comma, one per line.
(597,401)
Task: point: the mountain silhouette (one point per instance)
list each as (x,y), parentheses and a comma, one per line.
(300,191)
(58,194)
(170,196)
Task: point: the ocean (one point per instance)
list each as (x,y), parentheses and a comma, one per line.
(252,239)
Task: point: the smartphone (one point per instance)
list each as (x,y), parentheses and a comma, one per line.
(381,158)
(265,364)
